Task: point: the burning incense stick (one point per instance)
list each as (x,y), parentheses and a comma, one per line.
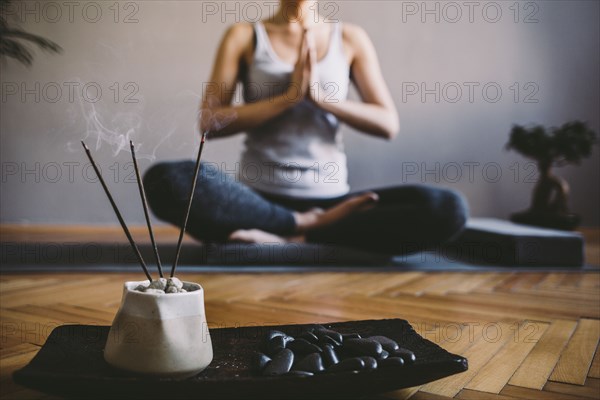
(189,205)
(145,205)
(121,221)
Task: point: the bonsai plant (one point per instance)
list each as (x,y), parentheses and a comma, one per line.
(568,144)
(12,38)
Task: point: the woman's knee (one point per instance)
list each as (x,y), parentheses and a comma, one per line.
(155,176)
(452,212)
(443,212)
(162,183)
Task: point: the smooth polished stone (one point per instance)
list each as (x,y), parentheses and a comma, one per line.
(391,362)
(311,363)
(309,337)
(407,355)
(329,355)
(302,346)
(323,332)
(275,345)
(273,333)
(363,347)
(388,344)
(323,340)
(346,336)
(370,362)
(261,360)
(280,364)
(349,364)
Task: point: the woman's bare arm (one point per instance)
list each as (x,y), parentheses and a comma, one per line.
(377,114)
(219,117)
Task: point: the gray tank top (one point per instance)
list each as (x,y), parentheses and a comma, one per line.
(299,153)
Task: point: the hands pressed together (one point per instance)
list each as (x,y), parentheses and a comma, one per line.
(374,114)
(304,83)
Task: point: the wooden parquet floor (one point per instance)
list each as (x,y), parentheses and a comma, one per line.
(526,335)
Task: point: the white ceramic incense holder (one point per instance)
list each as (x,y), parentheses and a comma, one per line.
(165,335)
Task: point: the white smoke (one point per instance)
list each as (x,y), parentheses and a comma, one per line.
(211,119)
(102,128)
(149,132)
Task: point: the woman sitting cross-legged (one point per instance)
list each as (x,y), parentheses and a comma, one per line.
(292,186)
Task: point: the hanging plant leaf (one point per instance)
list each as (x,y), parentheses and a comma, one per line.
(13,41)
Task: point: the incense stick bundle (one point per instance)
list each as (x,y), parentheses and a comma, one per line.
(145,206)
(189,205)
(134,246)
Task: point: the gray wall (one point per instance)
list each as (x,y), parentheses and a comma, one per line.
(161,58)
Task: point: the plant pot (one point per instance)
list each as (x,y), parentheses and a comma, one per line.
(165,335)
(549,207)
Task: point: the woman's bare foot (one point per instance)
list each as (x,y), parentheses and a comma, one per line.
(316,217)
(258,236)
(308,220)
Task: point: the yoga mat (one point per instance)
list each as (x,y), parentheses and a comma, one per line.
(485,244)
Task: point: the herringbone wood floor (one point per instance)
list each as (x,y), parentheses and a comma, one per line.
(526,335)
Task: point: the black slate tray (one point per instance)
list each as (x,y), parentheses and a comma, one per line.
(71,364)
